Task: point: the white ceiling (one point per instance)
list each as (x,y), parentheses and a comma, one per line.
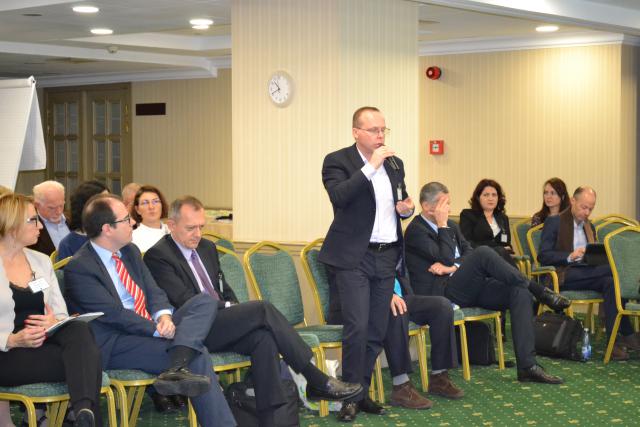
(155,35)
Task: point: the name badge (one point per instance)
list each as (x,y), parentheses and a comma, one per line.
(503,238)
(38,285)
(399,192)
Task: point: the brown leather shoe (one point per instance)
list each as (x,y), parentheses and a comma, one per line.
(442,385)
(407,396)
(619,353)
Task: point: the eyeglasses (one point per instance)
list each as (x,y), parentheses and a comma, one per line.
(126,219)
(33,220)
(146,203)
(377,131)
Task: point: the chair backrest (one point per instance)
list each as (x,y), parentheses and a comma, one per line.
(605,218)
(274,279)
(317,277)
(533,241)
(521,237)
(231,266)
(623,247)
(60,264)
(219,241)
(609,226)
(54,256)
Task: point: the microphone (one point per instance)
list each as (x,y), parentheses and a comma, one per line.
(393,163)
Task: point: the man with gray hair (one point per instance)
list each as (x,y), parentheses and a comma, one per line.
(48,198)
(442,262)
(129,193)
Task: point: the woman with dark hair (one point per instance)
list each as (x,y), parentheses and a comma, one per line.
(148,210)
(30,303)
(73,241)
(555,199)
(486,223)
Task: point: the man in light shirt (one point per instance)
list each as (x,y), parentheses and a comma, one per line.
(48,198)
(363,246)
(563,244)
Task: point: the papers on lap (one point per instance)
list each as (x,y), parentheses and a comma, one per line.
(87,317)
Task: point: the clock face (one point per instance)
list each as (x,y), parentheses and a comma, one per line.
(280,88)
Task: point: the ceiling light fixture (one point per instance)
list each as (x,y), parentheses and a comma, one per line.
(85,9)
(101,31)
(547,28)
(200,21)
(200,27)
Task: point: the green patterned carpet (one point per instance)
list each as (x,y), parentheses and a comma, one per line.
(593,395)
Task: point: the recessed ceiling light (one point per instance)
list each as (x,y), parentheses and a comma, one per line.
(547,28)
(101,31)
(201,22)
(85,9)
(200,27)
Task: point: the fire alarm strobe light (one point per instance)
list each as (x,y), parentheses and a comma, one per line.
(434,73)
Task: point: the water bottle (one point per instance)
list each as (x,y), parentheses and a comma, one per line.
(586,345)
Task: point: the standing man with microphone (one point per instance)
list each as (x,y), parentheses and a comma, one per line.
(363,246)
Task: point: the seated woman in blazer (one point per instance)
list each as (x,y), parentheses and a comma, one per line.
(486,223)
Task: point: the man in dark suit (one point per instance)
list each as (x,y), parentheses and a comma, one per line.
(139,328)
(563,243)
(435,311)
(365,183)
(441,262)
(184,265)
(48,198)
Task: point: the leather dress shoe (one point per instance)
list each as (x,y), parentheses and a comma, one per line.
(348,412)
(334,389)
(407,396)
(162,403)
(85,418)
(554,301)
(181,381)
(537,374)
(370,407)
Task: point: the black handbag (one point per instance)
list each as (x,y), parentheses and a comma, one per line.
(480,343)
(558,335)
(243,405)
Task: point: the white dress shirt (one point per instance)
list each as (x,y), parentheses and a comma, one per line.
(385,224)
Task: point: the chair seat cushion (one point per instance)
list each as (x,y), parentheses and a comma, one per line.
(458,314)
(325,333)
(635,306)
(581,295)
(129,375)
(476,311)
(45,389)
(228,358)
(310,340)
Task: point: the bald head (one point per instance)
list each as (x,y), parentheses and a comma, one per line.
(583,202)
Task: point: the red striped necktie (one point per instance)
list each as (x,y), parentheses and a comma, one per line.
(139,301)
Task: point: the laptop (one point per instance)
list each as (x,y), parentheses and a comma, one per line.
(595,254)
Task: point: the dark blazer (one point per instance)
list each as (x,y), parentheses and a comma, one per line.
(44,243)
(556,242)
(354,206)
(425,247)
(477,231)
(173,273)
(90,288)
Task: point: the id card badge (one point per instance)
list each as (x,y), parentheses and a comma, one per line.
(399,192)
(503,237)
(38,285)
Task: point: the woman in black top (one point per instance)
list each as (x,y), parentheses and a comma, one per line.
(486,223)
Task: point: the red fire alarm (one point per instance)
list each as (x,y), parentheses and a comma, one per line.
(434,73)
(436,147)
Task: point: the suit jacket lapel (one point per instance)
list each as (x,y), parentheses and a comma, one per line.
(106,278)
(357,162)
(182,261)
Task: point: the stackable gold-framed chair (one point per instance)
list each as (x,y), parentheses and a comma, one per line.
(317,277)
(219,240)
(622,247)
(614,216)
(521,229)
(588,297)
(609,225)
(56,398)
(273,278)
(60,264)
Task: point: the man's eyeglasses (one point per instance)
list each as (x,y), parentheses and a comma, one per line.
(146,203)
(377,131)
(126,219)
(33,220)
